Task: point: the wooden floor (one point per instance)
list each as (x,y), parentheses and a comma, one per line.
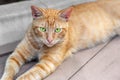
(99,63)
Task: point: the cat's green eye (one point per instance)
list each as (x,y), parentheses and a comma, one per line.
(57,30)
(42,29)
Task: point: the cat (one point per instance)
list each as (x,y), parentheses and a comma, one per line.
(55,34)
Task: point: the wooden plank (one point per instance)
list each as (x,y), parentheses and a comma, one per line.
(2,63)
(104,66)
(71,65)
(8,47)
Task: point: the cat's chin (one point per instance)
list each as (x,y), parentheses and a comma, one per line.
(49,45)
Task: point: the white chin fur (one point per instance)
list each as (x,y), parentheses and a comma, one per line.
(49,45)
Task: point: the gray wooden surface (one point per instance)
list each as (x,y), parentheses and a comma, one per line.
(101,62)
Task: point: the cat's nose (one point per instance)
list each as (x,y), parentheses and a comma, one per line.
(49,40)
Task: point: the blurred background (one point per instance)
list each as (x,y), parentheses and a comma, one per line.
(8,1)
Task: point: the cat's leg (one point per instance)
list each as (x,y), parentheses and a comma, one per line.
(48,63)
(16,60)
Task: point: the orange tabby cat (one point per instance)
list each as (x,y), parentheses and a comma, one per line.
(55,34)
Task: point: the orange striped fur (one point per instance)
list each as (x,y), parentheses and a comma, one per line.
(55,34)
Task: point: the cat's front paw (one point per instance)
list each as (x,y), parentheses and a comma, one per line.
(6,78)
(28,77)
(24,77)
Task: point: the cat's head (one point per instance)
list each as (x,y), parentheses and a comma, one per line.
(50,25)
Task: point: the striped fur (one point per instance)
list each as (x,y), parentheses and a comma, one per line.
(83,26)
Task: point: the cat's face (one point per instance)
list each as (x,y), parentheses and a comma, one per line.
(50,34)
(50,25)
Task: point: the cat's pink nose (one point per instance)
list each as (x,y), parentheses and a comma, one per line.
(49,40)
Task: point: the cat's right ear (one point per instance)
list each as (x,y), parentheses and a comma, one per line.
(36,12)
(65,14)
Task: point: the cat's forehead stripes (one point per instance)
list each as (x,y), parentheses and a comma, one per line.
(50,19)
(51,16)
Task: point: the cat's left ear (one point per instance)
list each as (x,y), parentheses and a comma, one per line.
(65,14)
(36,12)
